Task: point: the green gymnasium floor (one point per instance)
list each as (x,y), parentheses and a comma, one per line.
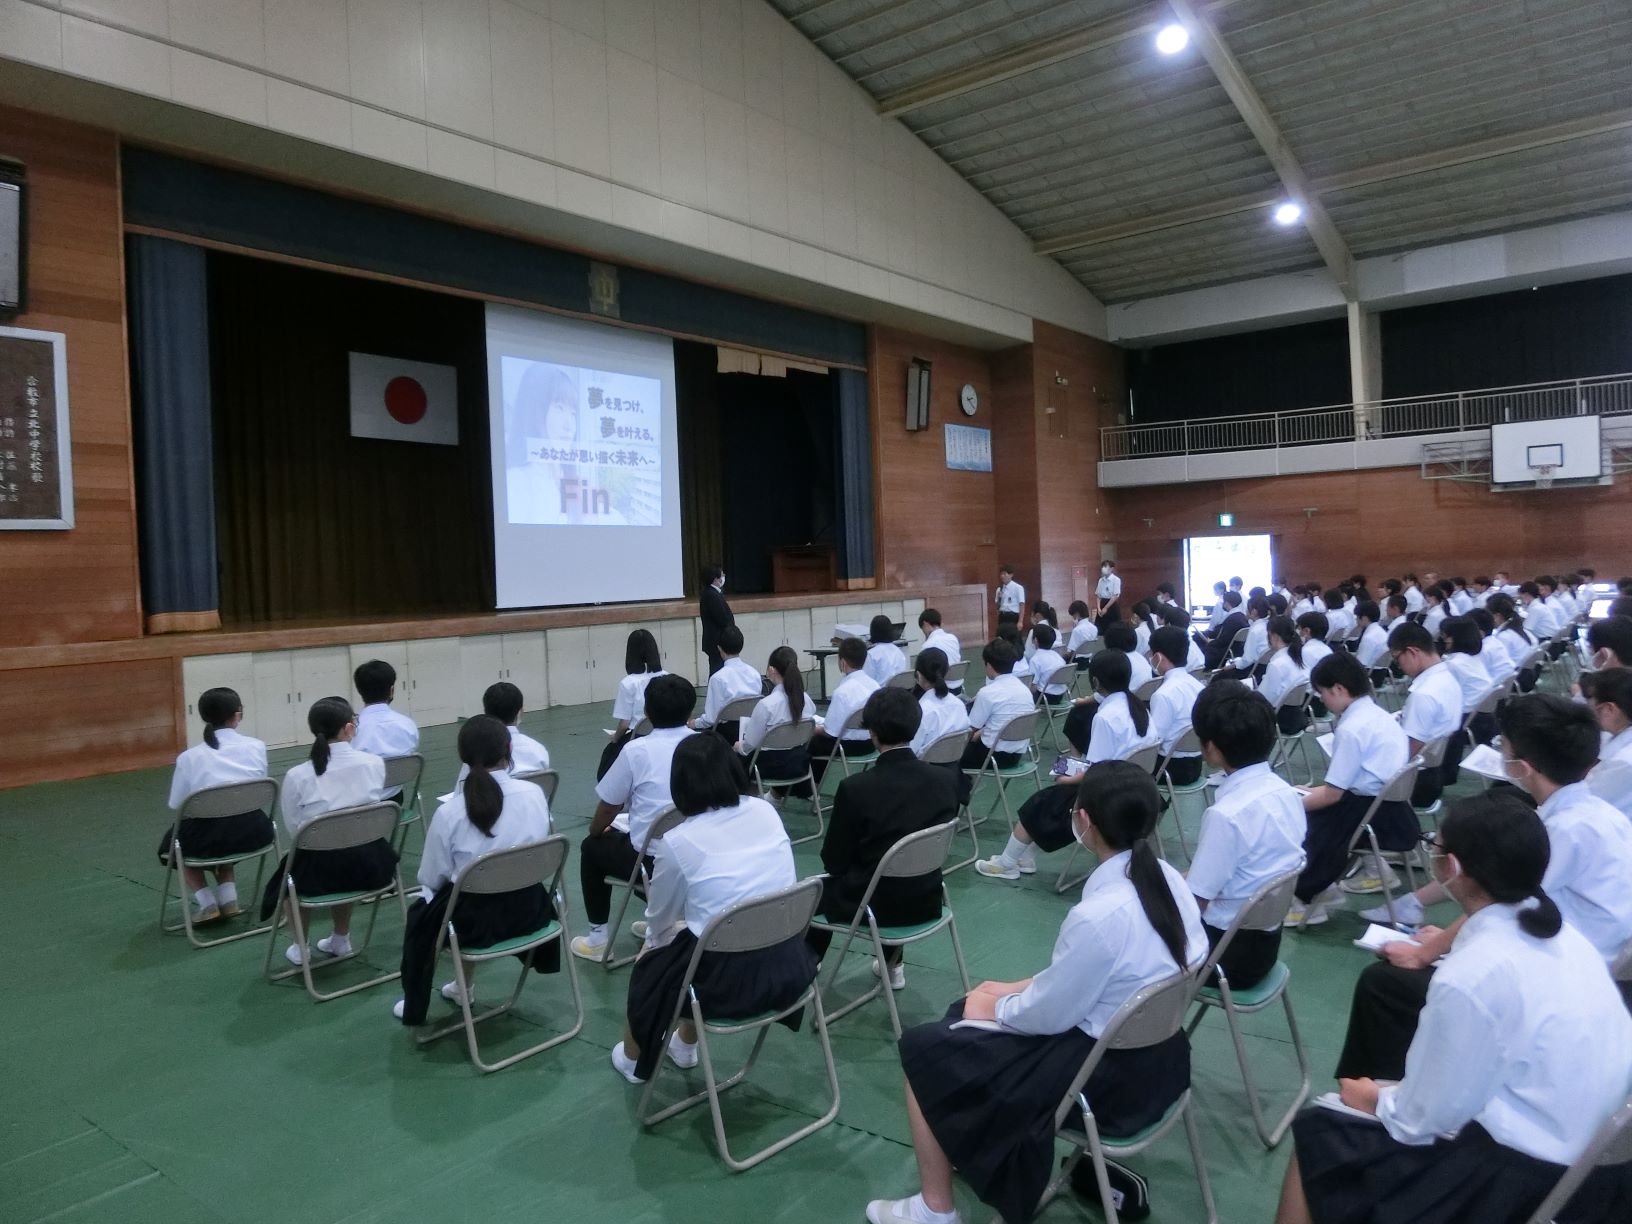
(148,1082)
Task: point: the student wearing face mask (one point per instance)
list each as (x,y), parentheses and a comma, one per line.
(1109,595)
(1608,694)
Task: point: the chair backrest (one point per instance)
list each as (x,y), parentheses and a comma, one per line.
(738,708)
(1401,785)
(788,735)
(1297,695)
(1238,643)
(902,679)
(1492,699)
(917,853)
(547,781)
(348,827)
(763,922)
(852,723)
(1147,1017)
(1147,690)
(1611,1145)
(1061,677)
(1432,755)
(955,672)
(1146,758)
(231,799)
(1188,744)
(1019,728)
(404,771)
(665,820)
(500,871)
(1264,910)
(948,750)
(642,727)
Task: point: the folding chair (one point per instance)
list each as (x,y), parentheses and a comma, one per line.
(737,709)
(779,737)
(405,772)
(1059,676)
(762,922)
(1149,1017)
(1147,690)
(1487,705)
(340,830)
(547,780)
(955,672)
(1186,745)
(1611,1145)
(915,854)
(948,750)
(1145,759)
(502,871)
(903,679)
(861,759)
(1397,790)
(642,727)
(1018,730)
(637,881)
(1266,909)
(213,803)
(1296,697)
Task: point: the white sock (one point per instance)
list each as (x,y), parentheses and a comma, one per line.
(1015,851)
(924,1214)
(226,894)
(336,945)
(205,899)
(597,932)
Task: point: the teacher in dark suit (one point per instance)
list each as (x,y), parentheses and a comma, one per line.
(716,614)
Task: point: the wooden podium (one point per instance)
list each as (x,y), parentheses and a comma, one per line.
(802,568)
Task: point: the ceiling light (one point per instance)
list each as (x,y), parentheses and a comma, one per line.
(1289,213)
(1171,39)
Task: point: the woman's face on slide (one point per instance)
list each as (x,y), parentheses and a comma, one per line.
(561,421)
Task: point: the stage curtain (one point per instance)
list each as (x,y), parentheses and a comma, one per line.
(317,524)
(702,509)
(854,444)
(168,297)
(1278,369)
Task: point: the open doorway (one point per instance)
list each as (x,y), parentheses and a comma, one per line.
(1210,559)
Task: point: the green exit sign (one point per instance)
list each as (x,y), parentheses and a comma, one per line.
(1226,520)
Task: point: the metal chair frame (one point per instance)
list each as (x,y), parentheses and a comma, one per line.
(1267,907)
(1188,744)
(915,854)
(957,672)
(778,738)
(1054,713)
(405,772)
(737,709)
(1145,758)
(762,922)
(1147,690)
(1297,695)
(948,750)
(1611,1145)
(1019,729)
(214,803)
(637,880)
(337,830)
(547,780)
(902,679)
(540,862)
(1397,790)
(853,723)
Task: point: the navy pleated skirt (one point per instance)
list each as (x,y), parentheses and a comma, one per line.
(1046,816)
(220,837)
(321,872)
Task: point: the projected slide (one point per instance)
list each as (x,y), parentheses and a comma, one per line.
(582,446)
(586,498)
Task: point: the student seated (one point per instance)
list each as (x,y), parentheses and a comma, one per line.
(1045,662)
(1339,620)
(1121,728)
(1215,646)
(1284,672)
(1548,745)
(774,709)
(1462,647)
(1042,613)
(1499,665)
(1313,628)
(1083,631)
(636,787)
(1368,749)
(1479,590)
(335,775)
(884,657)
(1171,703)
(490,810)
(1251,833)
(1609,694)
(1415,601)
(1435,609)
(1001,700)
(1371,642)
(1080,721)
(1256,646)
(730,848)
(1022,665)
(380,729)
(849,695)
(872,811)
(937,638)
(1610,641)
(1433,710)
(982,1103)
(1512,636)
(1522,1051)
(941,713)
(1540,617)
(503,701)
(641,662)
(733,681)
(224,757)
(1145,618)
(1179,619)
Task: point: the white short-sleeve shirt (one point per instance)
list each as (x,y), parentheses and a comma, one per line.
(1043,665)
(630,703)
(1253,832)
(885,659)
(451,841)
(941,716)
(1368,748)
(352,778)
(1171,706)
(239,758)
(385,732)
(1109,587)
(638,781)
(1114,736)
(849,695)
(716,860)
(1434,708)
(999,702)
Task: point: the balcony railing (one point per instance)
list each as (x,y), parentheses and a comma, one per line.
(1610,395)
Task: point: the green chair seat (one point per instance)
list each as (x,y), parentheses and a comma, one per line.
(340,898)
(1253,996)
(188,861)
(544,932)
(773,782)
(888,933)
(1138,1137)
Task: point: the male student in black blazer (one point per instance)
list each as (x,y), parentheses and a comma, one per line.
(875,809)
(716,615)
(1217,646)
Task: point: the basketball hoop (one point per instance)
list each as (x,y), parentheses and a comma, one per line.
(1544,475)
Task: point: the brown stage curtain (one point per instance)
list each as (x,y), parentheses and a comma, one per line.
(702,508)
(314,524)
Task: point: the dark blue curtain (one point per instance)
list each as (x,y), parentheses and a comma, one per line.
(854,534)
(1279,369)
(167,288)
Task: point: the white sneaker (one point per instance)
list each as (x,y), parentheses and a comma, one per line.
(397,1008)
(638,928)
(589,948)
(624,1065)
(450,991)
(681,1054)
(1332,895)
(1026,866)
(898,974)
(898,1211)
(1407,910)
(296,954)
(1367,881)
(995,869)
(1309,915)
(335,945)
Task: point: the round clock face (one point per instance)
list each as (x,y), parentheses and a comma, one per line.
(968,399)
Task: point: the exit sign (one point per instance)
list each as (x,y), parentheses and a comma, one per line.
(1226,520)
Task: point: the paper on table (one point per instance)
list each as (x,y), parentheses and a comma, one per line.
(1486,762)
(1377,937)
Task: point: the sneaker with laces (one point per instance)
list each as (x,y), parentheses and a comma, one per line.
(589,949)
(1407,912)
(624,1065)
(205,914)
(899,1211)
(682,1054)
(1026,866)
(1301,915)
(638,928)
(996,869)
(898,974)
(1368,881)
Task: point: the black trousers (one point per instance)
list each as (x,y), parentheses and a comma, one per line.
(1250,956)
(1079,725)
(1383,1020)
(974,756)
(610,854)
(715,660)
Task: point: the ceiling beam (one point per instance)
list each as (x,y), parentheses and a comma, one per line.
(1333,249)
(1365,176)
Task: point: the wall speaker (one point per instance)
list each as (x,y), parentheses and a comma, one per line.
(918,394)
(11,238)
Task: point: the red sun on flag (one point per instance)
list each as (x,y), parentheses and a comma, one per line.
(405,400)
(397,400)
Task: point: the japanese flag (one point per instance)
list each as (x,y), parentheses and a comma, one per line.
(403,401)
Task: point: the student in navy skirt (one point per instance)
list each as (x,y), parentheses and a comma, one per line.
(1523,1050)
(731,848)
(981,1100)
(787,702)
(223,758)
(334,776)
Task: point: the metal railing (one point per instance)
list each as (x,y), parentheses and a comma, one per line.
(1609,395)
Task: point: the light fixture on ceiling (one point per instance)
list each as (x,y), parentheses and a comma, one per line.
(1288,213)
(1172,38)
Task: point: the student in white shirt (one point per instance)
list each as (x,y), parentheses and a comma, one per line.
(1079,723)
(1434,609)
(1108,594)
(1045,662)
(1172,702)
(983,1102)
(733,681)
(1499,666)
(1512,636)
(1042,613)
(1499,584)
(1283,673)
(942,712)
(1083,631)
(380,729)
(1480,590)
(1022,665)
(1251,833)
(1368,749)
(1610,641)
(849,696)
(637,784)
(1609,693)
(1433,709)
(884,658)
(491,810)
(937,638)
(730,848)
(1540,617)
(1218,611)
(1121,728)
(504,702)
(1522,1051)
(1414,600)
(1256,645)
(1011,596)
(224,757)
(642,662)
(1145,621)
(335,775)
(1371,646)
(1461,599)
(1313,627)
(1462,647)
(776,708)
(1001,700)
(1339,622)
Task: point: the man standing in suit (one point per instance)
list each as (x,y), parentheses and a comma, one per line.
(871,812)
(716,615)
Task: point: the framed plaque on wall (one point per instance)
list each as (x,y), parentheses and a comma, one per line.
(36,465)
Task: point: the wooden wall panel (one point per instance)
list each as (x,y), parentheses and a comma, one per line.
(79,585)
(1014,455)
(85,719)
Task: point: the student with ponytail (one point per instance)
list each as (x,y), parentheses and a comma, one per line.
(1284,671)
(1512,636)
(335,775)
(776,708)
(981,1100)
(490,811)
(1522,1051)
(942,710)
(224,757)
